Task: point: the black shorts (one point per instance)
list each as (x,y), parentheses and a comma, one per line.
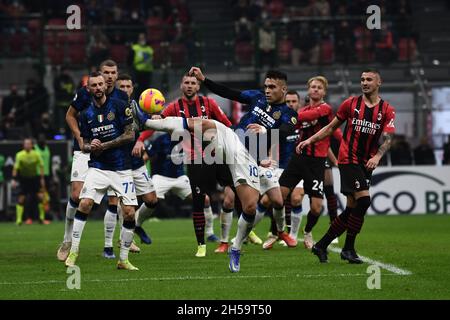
(354,178)
(206,176)
(29,186)
(309,169)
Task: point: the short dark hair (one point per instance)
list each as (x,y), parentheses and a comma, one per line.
(275,74)
(95,74)
(372,70)
(291,92)
(108,63)
(124,76)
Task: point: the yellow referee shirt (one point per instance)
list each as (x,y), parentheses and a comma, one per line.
(27,163)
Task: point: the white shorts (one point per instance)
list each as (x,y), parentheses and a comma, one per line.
(180,186)
(98,181)
(268,179)
(142,182)
(279,171)
(79,166)
(243,167)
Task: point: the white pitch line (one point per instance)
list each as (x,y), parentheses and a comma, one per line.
(193,278)
(387,266)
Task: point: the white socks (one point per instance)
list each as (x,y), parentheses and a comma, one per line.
(209,224)
(296,219)
(68,227)
(245,225)
(260,212)
(110,221)
(126,237)
(78,226)
(226,219)
(143,213)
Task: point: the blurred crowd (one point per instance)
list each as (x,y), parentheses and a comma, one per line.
(322,31)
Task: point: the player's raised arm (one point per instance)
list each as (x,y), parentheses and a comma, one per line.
(217,88)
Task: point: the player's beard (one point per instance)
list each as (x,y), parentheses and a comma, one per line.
(98,96)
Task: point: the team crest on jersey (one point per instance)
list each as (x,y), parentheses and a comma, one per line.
(111,116)
(276,115)
(294,120)
(128,112)
(379,116)
(100,118)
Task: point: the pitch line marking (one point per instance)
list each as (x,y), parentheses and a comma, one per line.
(195,278)
(386,266)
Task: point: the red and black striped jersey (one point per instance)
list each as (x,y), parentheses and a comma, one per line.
(310,120)
(363,129)
(203,107)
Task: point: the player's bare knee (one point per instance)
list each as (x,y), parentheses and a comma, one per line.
(128,213)
(207,201)
(150,198)
(249,208)
(113,201)
(86,205)
(228,202)
(316,207)
(265,201)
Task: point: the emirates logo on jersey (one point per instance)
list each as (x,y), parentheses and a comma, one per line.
(364,126)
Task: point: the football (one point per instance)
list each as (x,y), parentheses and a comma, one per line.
(151,101)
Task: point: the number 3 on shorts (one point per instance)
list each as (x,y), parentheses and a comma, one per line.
(253,171)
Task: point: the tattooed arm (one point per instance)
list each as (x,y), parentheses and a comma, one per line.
(373,162)
(126,137)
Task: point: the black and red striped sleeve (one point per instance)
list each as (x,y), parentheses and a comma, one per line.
(389,124)
(171,110)
(344,110)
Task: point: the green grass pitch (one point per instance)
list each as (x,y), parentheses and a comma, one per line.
(169,269)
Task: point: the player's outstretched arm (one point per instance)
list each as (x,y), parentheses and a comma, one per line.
(217,88)
(372,163)
(126,137)
(320,135)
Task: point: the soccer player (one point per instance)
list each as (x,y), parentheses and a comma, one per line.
(81,101)
(107,132)
(26,165)
(285,152)
(142,181)
(367,117)
(243,168)
(310,165)
(201,175)
(167,167)
(267,111)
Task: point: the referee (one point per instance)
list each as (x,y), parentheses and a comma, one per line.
(28,163)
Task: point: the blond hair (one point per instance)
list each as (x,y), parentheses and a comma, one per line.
(321,79)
